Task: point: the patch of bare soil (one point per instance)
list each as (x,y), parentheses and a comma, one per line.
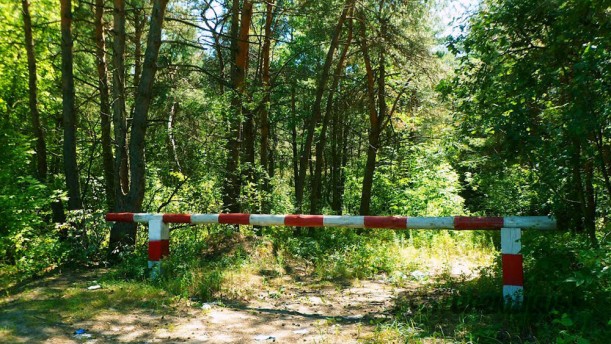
(297,312)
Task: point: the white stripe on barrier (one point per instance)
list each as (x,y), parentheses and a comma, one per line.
(343,221)
(530,222)
(430,223)
(266,220)
(205,218)
(146,217)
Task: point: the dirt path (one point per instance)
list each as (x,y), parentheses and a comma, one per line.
(51,309)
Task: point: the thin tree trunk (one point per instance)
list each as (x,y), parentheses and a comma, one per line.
(372,150)
(239,58)
(336,138)
(119,116)
(294,139)
(125,234)
(264,119)
(171,140)
(315,205)
(145,87)
(375,119)
(41,146)
(580,204)
(105,111)
(68,108)
(139,23)
(601,158)
(249,119)
(590,203)
(304,160)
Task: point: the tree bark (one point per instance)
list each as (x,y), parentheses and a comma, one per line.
(105,111)
(41,146)
(248,172)
(171,140)
(294,139)
(264,119)
(304,160)
(139,23)
(119,116)
(377,117)
(315,205)
(68,108)
(590,203)
(239,58)
(122,234)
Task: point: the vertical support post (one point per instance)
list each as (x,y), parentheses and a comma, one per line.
(513,270)
(159,244)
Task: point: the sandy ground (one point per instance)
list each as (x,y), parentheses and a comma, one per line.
(301,312)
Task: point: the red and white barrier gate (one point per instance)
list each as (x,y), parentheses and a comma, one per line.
(510,226)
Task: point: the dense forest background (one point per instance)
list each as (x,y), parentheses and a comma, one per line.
(314,107)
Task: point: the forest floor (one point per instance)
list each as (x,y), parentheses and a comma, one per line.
(301,310)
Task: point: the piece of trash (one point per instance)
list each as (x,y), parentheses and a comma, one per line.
(355,317)
(206,306)
(263,337)
(94,287)
(302,331)
(81,333)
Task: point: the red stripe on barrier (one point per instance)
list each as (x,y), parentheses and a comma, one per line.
(177,218)
(234,219)
(303,220)
(158,249)
(392,222)
(120,217)
(513,272)
(464,222)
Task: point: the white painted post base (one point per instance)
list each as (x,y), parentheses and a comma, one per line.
(513,295)
(513,270)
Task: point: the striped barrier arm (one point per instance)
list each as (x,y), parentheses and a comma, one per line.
(510,227)
(388,222)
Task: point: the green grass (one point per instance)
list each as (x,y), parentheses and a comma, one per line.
(57,301)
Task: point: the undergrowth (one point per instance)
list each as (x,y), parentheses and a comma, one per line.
(567,291)
(567,299)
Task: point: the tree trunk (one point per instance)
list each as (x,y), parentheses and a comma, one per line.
(336,138)
(119,116)
(105,112)
(577,183)
(376,117)
(304,160)
(171,140)
(139,23)
(248,172)
(315,205)
(41,146)
(125,234)
(68,109)
(294,139)
(264,119)
(372,151)
(239,58)
(590,203)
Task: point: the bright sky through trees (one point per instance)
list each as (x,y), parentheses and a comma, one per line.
(454,14)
